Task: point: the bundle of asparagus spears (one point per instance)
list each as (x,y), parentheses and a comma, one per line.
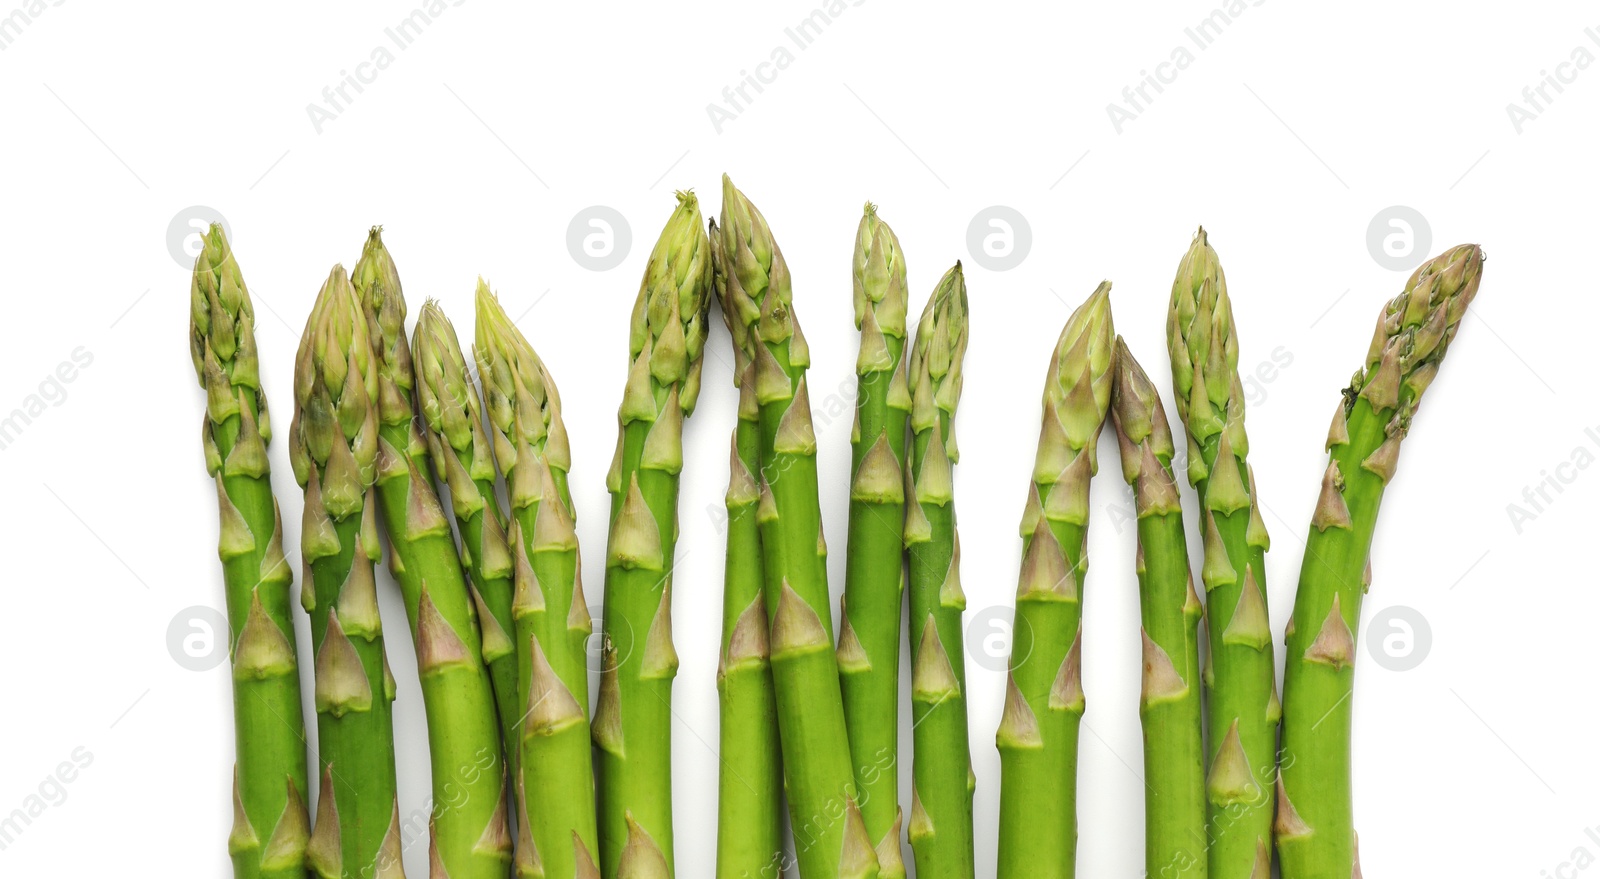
(530,780)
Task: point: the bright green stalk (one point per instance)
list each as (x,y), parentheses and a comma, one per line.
(1314,830)
(270,824)
(556,834)
(750,778)
(750,788)
(1169,610)
(874,580)
(470,834)
(1038,735)
(333,446)
(1242,700)
(941,805)
(634,733)
(447,400)
(831,841)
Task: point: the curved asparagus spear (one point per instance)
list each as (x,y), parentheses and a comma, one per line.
(1169,610)
(831,841)
(1038,735)
(270,824)
(333,446)
(558,836)
(469,832)
(1315,834)
(447,400)
(874,580)
(1242,703)
(667,348)
(941,804)
(750,780)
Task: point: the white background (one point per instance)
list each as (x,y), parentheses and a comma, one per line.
(481,141)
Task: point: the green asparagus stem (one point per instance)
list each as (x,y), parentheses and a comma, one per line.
(1242,705)
(831,841)
(1315,835)
(270,824)
(750,780)
(557,835)
(333,446)
(1169,609)
(874,581)
(470,836)
(447,400)
(941,804)
(1038,735)
(634,732)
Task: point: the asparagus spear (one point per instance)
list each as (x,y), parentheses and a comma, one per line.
(1242,701)
(1038,735)
(270,824)
(750,781)
(556,837)
(634,732)
(874,581)
(447,400)
(941,803)
(830,838)
(333,446)
(1315,836)
(1169,609)
(468,829)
